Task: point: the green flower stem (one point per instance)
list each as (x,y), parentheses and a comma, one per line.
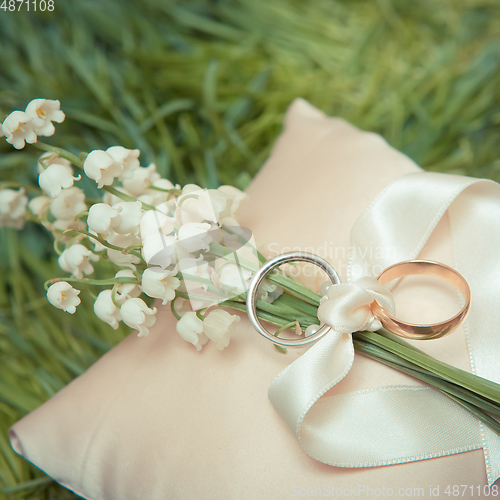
(113,295)
(284,312)
(61,152)
(81,214)
(371,350)
(270,318)
(172,308)
(479,385)
(126,197)
(292,301)
(173,191)
(278,331)
(88,281)
(103,242)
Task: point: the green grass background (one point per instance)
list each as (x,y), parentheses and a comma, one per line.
(201,88)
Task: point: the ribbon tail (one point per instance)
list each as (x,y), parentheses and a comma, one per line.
(381,426)
(295,390)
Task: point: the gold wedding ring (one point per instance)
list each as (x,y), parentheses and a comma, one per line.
(426,268)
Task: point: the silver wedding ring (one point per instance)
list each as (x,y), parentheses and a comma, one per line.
(261,274)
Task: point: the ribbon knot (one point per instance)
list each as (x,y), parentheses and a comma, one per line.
(346,306)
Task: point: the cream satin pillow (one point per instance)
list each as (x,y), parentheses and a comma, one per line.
(155,419)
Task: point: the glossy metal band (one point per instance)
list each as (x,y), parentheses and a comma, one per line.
(427,268)
(260,275)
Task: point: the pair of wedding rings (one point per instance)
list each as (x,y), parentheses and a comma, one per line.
(397,271)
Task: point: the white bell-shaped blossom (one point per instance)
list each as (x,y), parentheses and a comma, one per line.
(68,204)
(195,236)
(269,291)
(234,278)
(141,179)
(119,257)
(12,208)
(127,158)
(125,291)
(18,128)
(160,283)
(43,112)
(98,247)
(199,206)
(55,178)
(130,217)
(39,206)
(154,222)
(192,268)
(190,328)
(136,314)
(219,325)
(159,241)
(191,188)
(155,197)
(76,260)
(49,158)
(106,310)
(103,219)
(63,296)
(102,167)
(234,197)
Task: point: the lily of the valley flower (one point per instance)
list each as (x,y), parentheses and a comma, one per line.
(125,291)
(106,310)
(18,128)
(12,208)
(102,167)
(199,206)
(195,236)
(155,222)
(55,178)
(119,257)
(190,328)
(127,158)
(219,325)
(136,314)
(141,179)
(76,260)
(155,197)
(129,218)
(98,247)
(233,199)
(192,268)
(268,291)
(160,283)
(63,296)
(49,158)
(42,113)
(103,219)
(234,277)
(39,206)
(68,204)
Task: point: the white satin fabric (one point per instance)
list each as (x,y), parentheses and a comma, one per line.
(346,306)
(397,424)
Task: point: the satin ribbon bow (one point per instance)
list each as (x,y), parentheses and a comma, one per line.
(393,424)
